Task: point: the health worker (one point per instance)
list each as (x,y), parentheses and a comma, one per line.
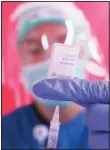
(33,29)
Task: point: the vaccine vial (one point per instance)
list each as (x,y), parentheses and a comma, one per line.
(62,65)
(63,61)
(54,130)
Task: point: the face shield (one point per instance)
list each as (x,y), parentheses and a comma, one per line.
(35,26)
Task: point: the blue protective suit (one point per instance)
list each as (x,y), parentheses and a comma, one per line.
(17,130)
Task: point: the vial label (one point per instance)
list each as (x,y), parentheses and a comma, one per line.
(53,138)
(54,129)
(63,61)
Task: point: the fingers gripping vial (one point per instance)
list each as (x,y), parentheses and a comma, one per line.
(54,130)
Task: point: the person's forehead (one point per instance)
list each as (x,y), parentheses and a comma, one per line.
(50,29)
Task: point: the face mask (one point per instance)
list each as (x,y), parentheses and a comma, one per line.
(35,73)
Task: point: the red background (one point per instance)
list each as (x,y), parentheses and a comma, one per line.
(95,12)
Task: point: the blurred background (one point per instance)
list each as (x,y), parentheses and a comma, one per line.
(14,94)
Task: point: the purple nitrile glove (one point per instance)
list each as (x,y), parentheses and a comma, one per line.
(94,95)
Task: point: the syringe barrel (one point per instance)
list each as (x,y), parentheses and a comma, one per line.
(53,138)
(54,130)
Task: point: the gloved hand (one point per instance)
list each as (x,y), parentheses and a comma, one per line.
(94,95)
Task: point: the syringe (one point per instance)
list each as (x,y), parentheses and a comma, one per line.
(54,130)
